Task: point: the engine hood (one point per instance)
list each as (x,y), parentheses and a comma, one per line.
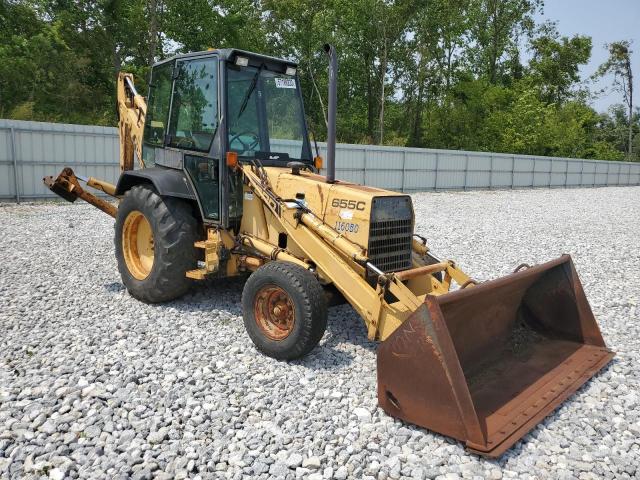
(345,206)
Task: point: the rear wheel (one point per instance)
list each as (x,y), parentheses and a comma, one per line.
(284,310)
(154,244)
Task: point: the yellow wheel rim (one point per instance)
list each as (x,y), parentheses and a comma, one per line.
(137,245)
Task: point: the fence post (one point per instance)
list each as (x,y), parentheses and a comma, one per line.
(404,162)
(566,173)
(533,173)
(435,183)
(15,163)
(491,173)
(364,174)
(513,169)
(627,176)
(466,171)
(582,173)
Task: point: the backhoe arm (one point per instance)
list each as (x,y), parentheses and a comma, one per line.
(132,109)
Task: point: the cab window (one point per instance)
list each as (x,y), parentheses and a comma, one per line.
(194,114)
(157,110)
(265,114)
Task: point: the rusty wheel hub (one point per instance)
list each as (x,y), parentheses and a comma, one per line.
(274,312)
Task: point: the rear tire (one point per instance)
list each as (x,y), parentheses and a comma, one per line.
(153,266)
(284,310)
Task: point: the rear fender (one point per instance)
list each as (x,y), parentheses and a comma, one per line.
(166,181)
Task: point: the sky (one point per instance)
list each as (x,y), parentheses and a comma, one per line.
(605,21)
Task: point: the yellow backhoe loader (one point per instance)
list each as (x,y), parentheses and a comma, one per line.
(227,184)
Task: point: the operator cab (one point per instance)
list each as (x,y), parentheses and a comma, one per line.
(203,105)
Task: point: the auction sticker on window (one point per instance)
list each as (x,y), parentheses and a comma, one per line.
(285,83)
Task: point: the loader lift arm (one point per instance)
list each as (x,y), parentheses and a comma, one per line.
(345,263)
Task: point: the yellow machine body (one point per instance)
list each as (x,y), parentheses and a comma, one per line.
(481,363)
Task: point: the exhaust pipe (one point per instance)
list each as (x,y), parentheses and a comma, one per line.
(333,100)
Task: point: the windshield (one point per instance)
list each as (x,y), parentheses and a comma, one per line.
(265,115)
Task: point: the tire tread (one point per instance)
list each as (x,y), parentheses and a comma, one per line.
(175,231)
(312,318)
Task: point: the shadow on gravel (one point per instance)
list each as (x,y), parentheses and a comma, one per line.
(344,326)
(215,294)
(114,287)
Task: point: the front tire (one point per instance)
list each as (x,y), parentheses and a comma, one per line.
(284,310)
(154,244)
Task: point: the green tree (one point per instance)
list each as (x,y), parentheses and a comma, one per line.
(432,58)
(437,73)
(497,26)
(619,63)
(556,62)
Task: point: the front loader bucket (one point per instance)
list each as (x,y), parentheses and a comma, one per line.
(486,363)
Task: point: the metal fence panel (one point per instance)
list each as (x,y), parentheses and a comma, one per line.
(7,177)
(31,150)
(42,149)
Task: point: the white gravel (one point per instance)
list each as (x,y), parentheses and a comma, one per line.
(94,384)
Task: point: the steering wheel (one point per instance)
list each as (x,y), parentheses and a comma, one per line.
(185,142)
(246,146)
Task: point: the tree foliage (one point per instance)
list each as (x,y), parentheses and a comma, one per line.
(619,64)
(437,73)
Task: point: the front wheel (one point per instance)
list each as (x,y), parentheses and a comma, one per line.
(284,310)
(154,244)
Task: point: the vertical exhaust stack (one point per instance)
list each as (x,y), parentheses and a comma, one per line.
(333,100)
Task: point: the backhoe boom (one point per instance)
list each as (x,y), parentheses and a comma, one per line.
(132,110)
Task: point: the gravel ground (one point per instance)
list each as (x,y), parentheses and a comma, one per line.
(94,384)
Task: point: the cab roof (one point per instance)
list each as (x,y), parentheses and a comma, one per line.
(230,54)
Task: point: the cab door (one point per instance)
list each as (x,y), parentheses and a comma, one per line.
(193,127)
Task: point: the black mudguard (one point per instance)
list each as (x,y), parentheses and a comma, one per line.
(168,182)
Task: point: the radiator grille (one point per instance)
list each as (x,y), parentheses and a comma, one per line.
(390,233)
